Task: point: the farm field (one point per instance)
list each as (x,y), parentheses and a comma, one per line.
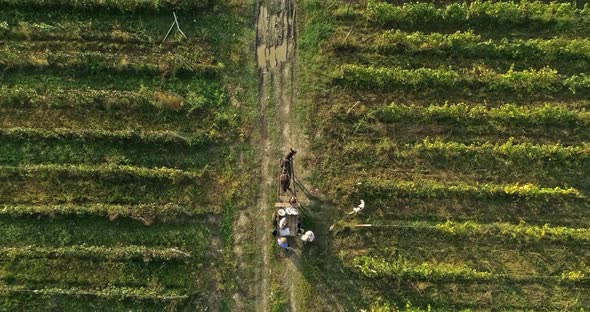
(464,126)
(138,174)
(118,153)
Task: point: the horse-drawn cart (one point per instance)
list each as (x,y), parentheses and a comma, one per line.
(286,214)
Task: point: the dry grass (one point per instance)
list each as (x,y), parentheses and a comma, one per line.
(118,35)
(168,100)
(39,59)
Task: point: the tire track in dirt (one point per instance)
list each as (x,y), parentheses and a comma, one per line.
(275,54)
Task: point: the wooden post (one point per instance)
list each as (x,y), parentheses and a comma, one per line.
(293,172)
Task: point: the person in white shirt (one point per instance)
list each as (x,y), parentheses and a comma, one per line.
(308,237)
(283,223)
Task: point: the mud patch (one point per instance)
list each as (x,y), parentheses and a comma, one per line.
(273,37)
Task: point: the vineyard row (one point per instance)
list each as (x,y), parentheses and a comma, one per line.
(116,5)
(522,83)
(97,62)
(379,189)
(471,229)
(8,172)
(66,232)
(556,15)
(104,293)
(469,44)
(508,150)
(520,231)
(373,267)
(141,212)
(126,253)
(88,135)
(507,114)
(144,100)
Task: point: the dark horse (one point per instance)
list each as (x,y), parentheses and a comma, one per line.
(286,165)
(285,180)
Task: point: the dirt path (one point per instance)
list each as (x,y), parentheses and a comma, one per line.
(275,54)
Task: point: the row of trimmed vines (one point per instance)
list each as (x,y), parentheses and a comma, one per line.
(163,212)
(469,44)
(462,114)
(374,267)
(379,189)
(115,5)
(559,16)
(124,253)
(521,83)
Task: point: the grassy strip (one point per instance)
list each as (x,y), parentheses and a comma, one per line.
(497,258)
(461,114)
(92,63)
(110,184)
(31,302)
(460,210)
(101,27)
(190,238)
(81,272)
(545,81)
(152,101)
(195,107)
(123,253)
(62,80)
(376,188)
(55,97)
(509,151)
(516,265)
(470,45)
(91,135)
(461,296)
(80,31)
(539,159)
(521,231)
(197,52)
(147,213)
(442,150)
(111,292)
(553,16)
(469,123)
(81,150)
(375,267)
(115,5)
(460,201)
(100,171)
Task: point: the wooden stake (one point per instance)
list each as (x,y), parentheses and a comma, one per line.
(353,106)
(347,35)
(172,26)
(169,30)
(181,252)
(178,25)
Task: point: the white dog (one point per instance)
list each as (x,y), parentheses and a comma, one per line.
(358,208)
